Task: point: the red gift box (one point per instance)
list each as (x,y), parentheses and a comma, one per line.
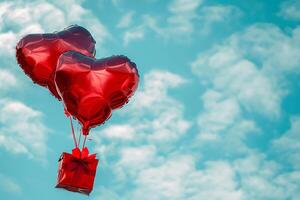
(76,171)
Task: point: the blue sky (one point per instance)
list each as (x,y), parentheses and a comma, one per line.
(216,115)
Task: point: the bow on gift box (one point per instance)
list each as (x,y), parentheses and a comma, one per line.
(81,160)
(84,154)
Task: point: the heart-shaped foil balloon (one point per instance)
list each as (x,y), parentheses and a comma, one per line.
(91,88)
(37,54)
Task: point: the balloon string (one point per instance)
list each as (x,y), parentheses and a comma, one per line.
(74,138)
(84,141)
(79,137)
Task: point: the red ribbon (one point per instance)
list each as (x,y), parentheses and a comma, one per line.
(81,159)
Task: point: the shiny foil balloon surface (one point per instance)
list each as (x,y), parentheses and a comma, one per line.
(91,88)
(37,54)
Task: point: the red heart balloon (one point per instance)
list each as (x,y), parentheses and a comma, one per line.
(91,88)
(37,54)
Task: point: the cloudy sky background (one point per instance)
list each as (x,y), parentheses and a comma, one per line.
(216,115)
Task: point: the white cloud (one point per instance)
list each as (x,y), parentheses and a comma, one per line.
(210,15)
(290,184)
(270,47)
(107,193)
(178,178)
(288,144)
(137,157)
(186,15)
(261,178)
(222,127)
(116,2)
(244,76)
(184,18)
(164,121)
(133,160)
(8,80)
(21,17)
(123,132)
(290,10)
(217,180)
(7,184)
(165,181)
(251,66)
(136,33)
(7,40)
(183,12)
(184,6)
(155,89)
(180,21)
(22,130)
(218,13)
(126,20)
(218,114)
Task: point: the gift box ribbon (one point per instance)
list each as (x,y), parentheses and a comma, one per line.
(81,160)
